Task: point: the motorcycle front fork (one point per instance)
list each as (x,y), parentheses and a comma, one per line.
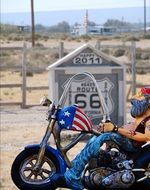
(43,146)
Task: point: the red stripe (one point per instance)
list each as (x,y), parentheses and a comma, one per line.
(79,125)
(79,110)
(83,120)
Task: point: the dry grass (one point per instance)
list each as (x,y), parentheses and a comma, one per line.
(33,97)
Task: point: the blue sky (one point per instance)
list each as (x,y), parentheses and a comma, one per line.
(47,5)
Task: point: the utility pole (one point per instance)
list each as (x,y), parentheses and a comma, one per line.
(32,20)
(145,16)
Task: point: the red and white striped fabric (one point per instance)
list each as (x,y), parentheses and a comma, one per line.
(81,122)
(73,118)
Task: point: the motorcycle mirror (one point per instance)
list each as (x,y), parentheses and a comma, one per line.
(45,101)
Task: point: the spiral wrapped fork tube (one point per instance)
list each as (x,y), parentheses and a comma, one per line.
(44,144)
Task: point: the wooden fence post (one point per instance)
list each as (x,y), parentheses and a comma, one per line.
(133,62)
(24,71)
(98,45)
(61,50)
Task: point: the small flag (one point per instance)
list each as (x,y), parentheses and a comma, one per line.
(73,118)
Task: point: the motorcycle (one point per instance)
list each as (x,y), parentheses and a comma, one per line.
(114,168)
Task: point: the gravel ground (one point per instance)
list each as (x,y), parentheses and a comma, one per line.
(19,127)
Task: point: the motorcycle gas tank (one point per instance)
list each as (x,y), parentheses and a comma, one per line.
(73,118)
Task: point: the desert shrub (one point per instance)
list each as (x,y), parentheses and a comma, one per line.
(104,38)
(145,56)
(64,37)
(146,36)
(8,29)
(139,69)
(6,93)
(138,55)
(34,55)
(37,37)
(117,37)
(141,72)
(107,51)
(69,39)
(2,37)
(29,74)
(55,55)
(27,38)
(118,52)
(85,37)
(18,38)
(78,40)
(45,38)
(39,45)
(4,54)
(65,53)
(131,38)
(15,37)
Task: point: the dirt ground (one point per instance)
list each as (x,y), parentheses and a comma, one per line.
(17,125)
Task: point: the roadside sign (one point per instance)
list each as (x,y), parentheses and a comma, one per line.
(109,74)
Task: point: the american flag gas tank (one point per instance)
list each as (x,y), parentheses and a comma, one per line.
(73,118)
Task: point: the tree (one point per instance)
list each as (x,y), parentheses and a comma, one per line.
(60,27)
(63,26)
(91,23)
(39,28)
(116,23)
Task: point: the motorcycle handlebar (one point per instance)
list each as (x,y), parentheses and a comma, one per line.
(45,101)
(96,132)
(51,111)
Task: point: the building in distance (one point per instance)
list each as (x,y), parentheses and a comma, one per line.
(86,28)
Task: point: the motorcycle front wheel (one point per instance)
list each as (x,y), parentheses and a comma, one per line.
(24,175)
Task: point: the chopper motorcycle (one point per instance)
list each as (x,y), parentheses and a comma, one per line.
(114,168)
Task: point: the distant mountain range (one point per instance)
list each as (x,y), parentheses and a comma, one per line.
(99,16)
